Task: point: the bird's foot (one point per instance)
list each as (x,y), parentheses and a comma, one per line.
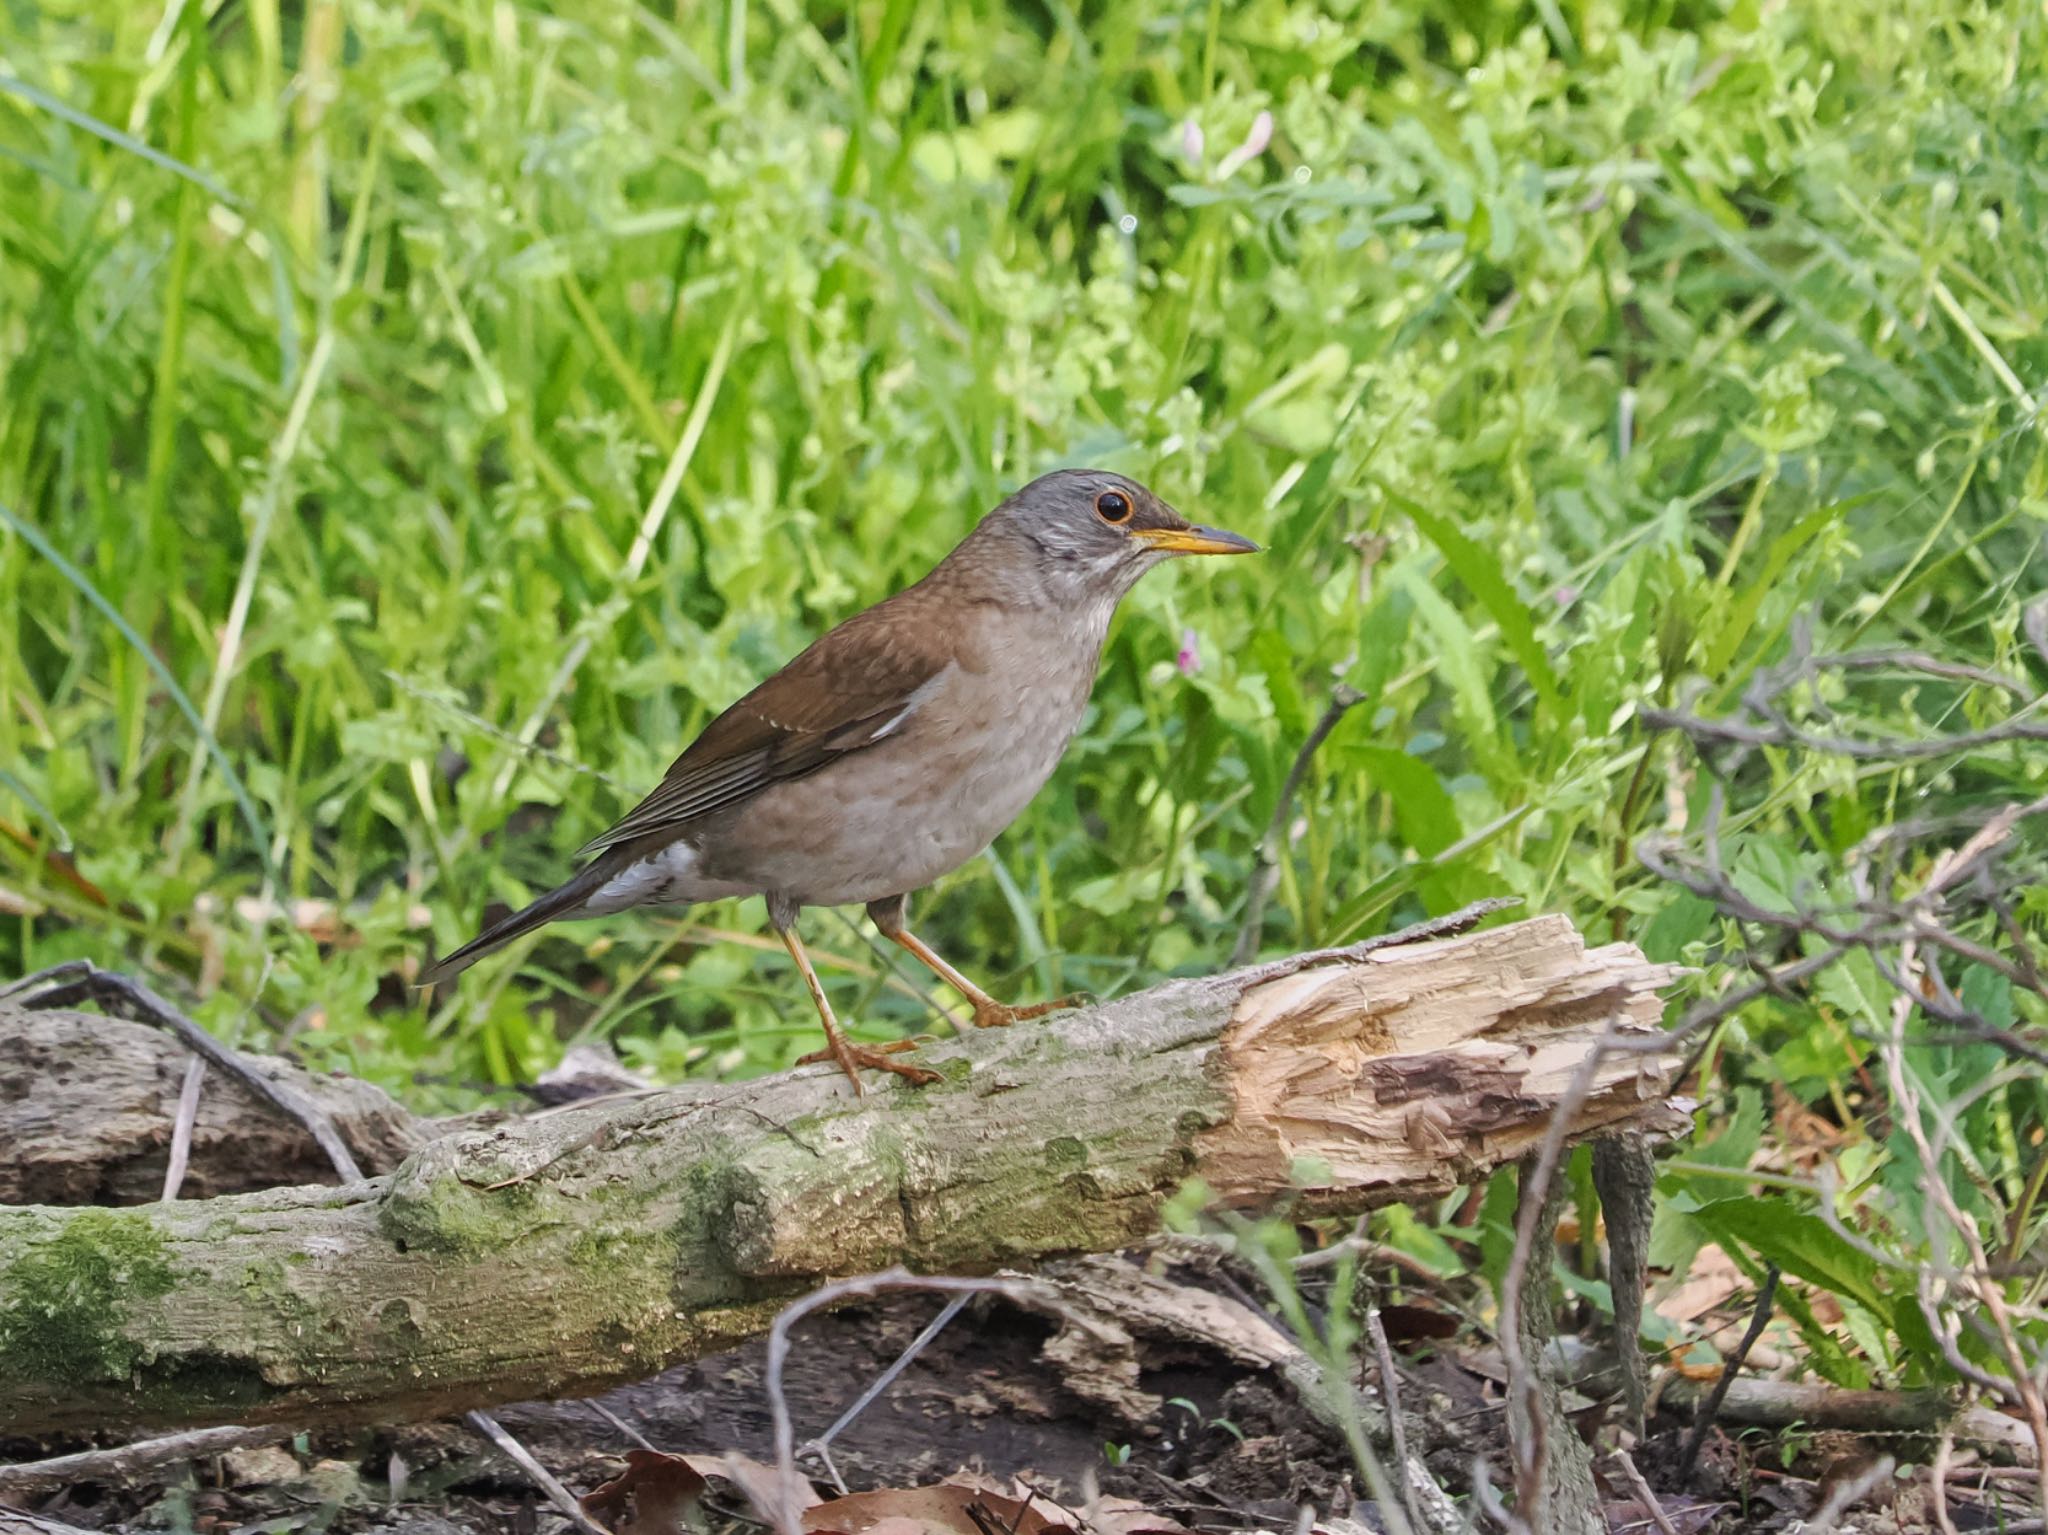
(852,1057)
(991,1014)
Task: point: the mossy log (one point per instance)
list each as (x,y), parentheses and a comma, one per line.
(562,1253)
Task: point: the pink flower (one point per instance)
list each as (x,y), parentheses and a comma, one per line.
(1190,658)
(1191,143)
(1254,145)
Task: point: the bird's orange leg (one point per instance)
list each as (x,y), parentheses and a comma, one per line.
(889,917)
(851,1057)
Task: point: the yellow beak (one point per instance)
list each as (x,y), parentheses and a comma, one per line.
(1195,541)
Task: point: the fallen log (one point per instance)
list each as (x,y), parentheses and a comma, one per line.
(87,1102)
(562,1253)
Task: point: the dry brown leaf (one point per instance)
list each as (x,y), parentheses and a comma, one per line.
(1127,1516)
(1802,1135)
(1105,1516)
(1408,1323)
(1686,1515)
(1686,1368)
(15,904)
(652,1496)
(762,1485)
(946,1509)
(1710,1283)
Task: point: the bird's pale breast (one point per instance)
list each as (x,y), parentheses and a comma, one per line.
(893,818)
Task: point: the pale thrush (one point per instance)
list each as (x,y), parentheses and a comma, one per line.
(895,748)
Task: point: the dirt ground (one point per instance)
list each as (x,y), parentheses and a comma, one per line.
(1227,1447)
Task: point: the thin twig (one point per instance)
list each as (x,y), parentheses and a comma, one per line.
(181,1128)
(1761,721)
(1937,1477)
(620,1424)
(70,970)
(15,1522)
(1390,1399)
(822,1444)
(563,1499)
(81,982)
(126,1462)
(1644,1495)
(1272,845)
(1367,1251)
(1703,1419)
(1848,1494)
(785,1515)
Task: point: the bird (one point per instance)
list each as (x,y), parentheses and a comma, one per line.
(895,748)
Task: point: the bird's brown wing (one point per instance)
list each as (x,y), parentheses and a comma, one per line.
(855,686)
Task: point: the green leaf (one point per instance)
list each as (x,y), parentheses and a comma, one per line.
(1800,1243)
(1457,654)
(1737,621)
(1426,815)
(1684,921)
(1736,1145)
(1479,569)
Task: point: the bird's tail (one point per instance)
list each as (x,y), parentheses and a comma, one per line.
(562,901)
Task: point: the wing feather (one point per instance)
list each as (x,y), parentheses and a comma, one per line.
(859,684)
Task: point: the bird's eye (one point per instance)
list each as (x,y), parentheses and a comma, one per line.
(1113,506)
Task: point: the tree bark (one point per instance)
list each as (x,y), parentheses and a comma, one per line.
(569,1251)
(87,1103)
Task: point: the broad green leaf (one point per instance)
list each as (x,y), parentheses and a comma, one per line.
(1479,569)
(1800,1243)
(1457,655)
(1427,816)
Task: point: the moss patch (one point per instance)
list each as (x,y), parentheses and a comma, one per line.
(64,1302)
(448,1216)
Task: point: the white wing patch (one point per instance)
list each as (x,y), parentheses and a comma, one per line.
(890,724)
(658,878)
(868,735)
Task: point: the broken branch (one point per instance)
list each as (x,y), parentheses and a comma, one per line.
(599,1243)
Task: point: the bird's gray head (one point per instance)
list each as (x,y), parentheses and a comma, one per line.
(1088,534)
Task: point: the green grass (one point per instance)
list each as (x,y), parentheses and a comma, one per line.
(414,426)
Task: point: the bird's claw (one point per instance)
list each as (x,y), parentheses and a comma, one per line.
(990,1014)
(851,1058)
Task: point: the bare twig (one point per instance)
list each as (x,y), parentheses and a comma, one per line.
(1710,1404)
(1871,1414)
(788,1503)
(181,1127)
(619,1423)
(822,1445)
(1848,1494)
(15,1522)
(563,1499)
(1890,749)
(1906,922)
(126,1462)
(1937,1479)
(1367,1251)
(1761,719)
(1272,846)
(1644,1495)
(1390,1399)
(65,985)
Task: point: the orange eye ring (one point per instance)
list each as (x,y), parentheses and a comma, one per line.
(1113,506)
